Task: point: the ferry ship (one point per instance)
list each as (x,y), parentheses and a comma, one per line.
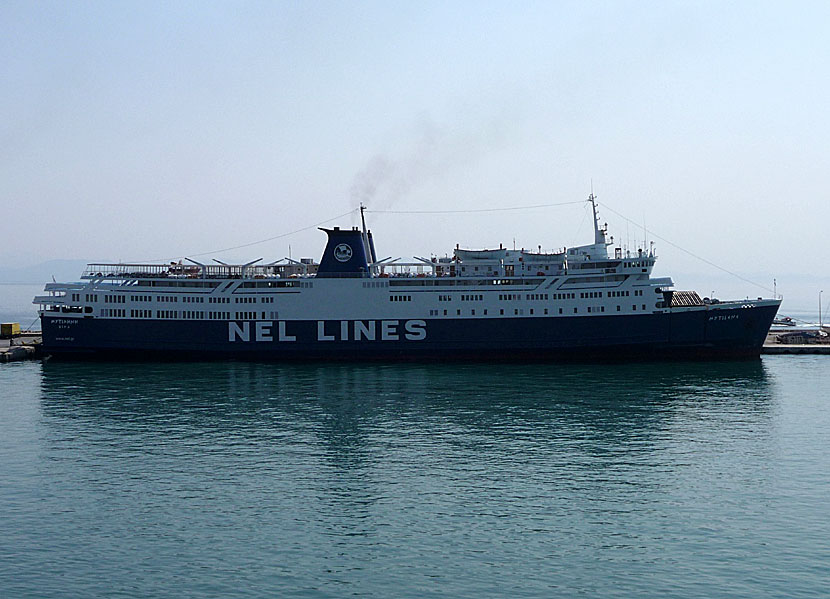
(581,303)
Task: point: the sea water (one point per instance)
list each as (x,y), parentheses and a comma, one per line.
(261,480)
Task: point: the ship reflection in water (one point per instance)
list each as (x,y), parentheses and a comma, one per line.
(508,424)
(329,401)
(340,478)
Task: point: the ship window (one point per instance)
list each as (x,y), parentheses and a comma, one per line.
(589,309)
(485,311)
(458,312)
(644,306)
(576,310)
(634,307)
(501,311)
(531,311)
(618,308)
(473,312)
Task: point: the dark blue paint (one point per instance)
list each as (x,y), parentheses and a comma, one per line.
(683,334)
(344,264)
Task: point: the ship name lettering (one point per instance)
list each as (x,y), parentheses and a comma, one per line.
(321,332)
(388,330)
(243,332)
(720,317)
(283,336)
(263,331)
(414,330)
(344,330)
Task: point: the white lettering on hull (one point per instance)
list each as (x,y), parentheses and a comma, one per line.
(243,332)
(364,331)
(263,331)
(723,317)
(321,332)
(416,330)
(388,330)
(355,330)
(283,336)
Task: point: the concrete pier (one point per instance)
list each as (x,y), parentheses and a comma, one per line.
(791,349)
(772,345)
(22,347)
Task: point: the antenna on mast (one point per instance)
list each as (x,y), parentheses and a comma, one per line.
(599,234)
(365,236)
(362,218)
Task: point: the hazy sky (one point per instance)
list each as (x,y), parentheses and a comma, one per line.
(143,130)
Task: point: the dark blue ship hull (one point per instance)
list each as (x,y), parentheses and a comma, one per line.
(705,333)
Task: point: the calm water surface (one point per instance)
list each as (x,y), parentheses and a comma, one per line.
(257,480)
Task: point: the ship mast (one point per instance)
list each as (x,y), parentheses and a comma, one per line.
(599,234)
(368,248)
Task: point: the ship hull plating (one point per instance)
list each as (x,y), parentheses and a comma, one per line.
(709,332)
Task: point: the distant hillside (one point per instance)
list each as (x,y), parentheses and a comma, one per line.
(62,270)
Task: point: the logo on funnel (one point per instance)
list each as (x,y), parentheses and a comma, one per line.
(343,252)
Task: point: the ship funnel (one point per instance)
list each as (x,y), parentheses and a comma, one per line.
(345,255)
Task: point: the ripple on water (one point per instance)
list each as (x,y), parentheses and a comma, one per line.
(686,480)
